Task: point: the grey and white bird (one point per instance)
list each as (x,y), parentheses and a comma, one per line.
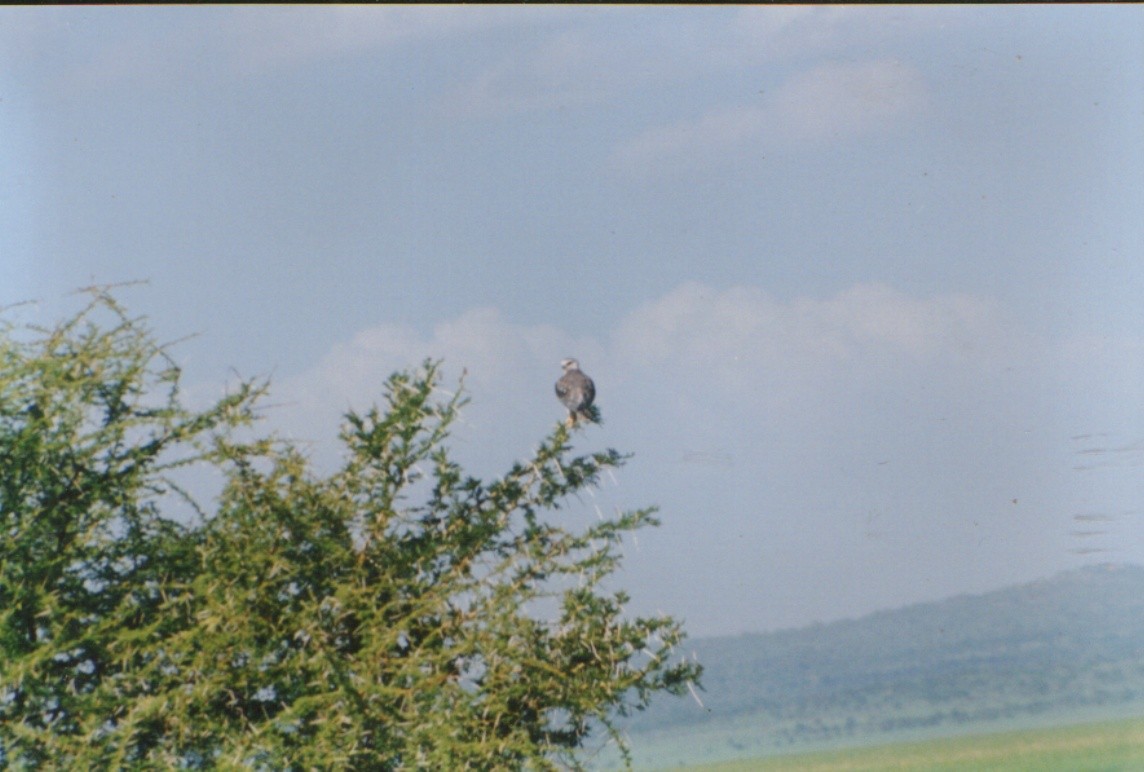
(576,391)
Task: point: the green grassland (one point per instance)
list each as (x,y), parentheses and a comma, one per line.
(754,737)
(1105,746)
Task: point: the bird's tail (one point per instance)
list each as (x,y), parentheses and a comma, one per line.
(590,414)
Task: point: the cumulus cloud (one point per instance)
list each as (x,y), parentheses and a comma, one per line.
(718,345)
(692,329)
(743,329)
(830,102)
(480,340)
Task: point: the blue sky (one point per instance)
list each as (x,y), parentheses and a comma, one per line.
(860,287)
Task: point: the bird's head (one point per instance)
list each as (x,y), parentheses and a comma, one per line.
(569,364)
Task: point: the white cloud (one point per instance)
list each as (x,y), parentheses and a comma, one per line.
(696,330)
(830,102)
(701,328)
(718,345)
(480,340)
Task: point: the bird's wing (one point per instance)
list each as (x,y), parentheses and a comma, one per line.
(563,387)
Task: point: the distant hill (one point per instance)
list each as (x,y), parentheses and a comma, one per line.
(1071,643)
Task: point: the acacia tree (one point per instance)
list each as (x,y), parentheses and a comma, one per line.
(394,614)
(91,426)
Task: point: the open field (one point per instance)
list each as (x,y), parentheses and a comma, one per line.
(725,745)
(1106,746)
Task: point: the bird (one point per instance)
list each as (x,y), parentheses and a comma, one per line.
(576,391)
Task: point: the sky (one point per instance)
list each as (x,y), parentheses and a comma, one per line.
(860,288)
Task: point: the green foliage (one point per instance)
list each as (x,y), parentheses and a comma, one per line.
(377,617)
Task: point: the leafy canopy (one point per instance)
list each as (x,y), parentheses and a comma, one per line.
(376,617)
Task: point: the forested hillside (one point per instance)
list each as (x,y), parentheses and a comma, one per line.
(1072,642)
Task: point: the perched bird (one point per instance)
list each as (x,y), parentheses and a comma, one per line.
(576,391)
